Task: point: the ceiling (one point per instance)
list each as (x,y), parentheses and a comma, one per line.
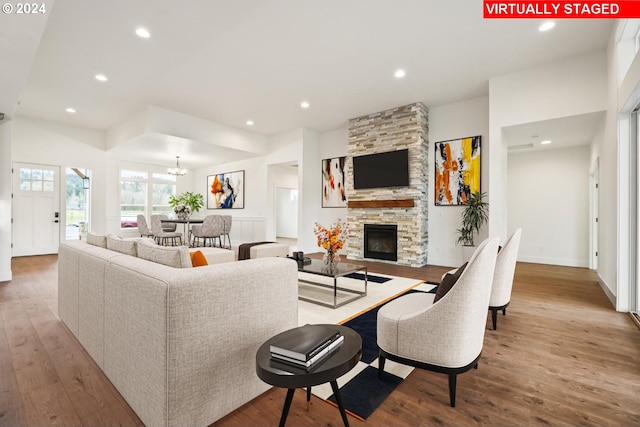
(231,61)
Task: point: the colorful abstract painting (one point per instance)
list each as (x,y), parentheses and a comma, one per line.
(225,190)
(333,191)
(457,165)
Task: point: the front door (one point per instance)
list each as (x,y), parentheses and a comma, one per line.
(36,209)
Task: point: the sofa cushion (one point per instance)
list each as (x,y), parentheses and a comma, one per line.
(96,239)
(447,282)
(118,244)
(173,256)
(198,259)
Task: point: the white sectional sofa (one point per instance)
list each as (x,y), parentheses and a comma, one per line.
(179,344)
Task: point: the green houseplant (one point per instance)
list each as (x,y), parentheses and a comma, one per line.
(474,216)
(186,203)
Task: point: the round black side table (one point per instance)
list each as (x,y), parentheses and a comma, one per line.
(338,364)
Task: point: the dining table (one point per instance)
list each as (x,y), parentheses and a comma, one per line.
(186,225)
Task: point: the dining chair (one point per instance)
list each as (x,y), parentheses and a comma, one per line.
(164,237)
(226,235)
(212,228)
(143,227)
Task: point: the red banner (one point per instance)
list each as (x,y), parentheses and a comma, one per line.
(561,9)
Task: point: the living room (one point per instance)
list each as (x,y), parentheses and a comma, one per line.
(545,190)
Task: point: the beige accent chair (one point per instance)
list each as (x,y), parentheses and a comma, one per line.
(445,336)
(164,237)
(143,227)
(212,228)
(503,277)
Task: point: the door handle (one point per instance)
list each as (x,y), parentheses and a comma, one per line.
(55,220)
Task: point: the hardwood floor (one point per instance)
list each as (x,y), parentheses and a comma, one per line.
(561,357)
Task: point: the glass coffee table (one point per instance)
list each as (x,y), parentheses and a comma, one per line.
(319,269)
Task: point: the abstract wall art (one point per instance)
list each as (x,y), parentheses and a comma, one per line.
(457,166)
(225,190)
(333,177)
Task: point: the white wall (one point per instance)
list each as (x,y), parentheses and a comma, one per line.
(605,153)
(565,88)
(548,196)
(5,200)
(48,143)
(459,120)
(332,144)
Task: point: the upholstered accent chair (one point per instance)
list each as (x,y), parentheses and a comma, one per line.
(164,237)
(226,236)
(143,227)
(503,276)
(445,336)
(212,228)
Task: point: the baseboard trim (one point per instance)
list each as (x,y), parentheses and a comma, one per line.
(6,276)
(554,261)
(445,262)
(636,318)
(607,290)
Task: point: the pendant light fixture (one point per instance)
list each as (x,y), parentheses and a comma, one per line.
(177,171)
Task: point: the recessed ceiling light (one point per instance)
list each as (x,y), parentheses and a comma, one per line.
(101,77)
(304,104)
(143,32)
(70,110)
(546,26)
(249,122)
(399,74)
(545,142)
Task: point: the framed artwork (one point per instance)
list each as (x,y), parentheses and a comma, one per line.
(333,191)
(457,168)
(225,190)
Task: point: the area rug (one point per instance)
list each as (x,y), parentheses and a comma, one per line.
(361,389)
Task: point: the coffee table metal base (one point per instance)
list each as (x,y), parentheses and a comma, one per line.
(335,288)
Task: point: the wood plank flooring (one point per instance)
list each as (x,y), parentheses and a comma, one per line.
(561,357)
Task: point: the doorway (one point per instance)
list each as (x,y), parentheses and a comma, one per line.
(593,217)
(76,214)
(35,209)
(286,213)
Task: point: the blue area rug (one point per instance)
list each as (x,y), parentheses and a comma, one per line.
(365,392)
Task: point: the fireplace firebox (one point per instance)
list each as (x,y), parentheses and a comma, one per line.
(381,241)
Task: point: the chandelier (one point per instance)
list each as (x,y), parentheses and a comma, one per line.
(177,171)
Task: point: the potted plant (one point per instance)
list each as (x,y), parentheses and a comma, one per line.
(474,216)
(186,203)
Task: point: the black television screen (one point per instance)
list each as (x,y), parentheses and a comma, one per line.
(381,170)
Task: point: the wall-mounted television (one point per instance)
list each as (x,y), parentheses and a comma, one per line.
(381,170)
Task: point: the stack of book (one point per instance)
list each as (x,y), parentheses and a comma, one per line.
(307,346)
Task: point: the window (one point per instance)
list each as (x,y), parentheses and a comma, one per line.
(144,193)
(36,179)
(77,204)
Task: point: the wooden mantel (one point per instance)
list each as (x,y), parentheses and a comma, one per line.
(395,203)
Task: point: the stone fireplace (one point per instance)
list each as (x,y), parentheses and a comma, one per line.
(404,208)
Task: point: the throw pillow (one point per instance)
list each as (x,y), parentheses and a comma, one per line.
(173,256)
(447,282)
(118,244)
(96,239)
(198,259)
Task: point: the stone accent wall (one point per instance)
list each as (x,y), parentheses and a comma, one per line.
(398,128)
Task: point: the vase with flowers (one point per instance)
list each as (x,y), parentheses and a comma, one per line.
(186,203)
(331,239)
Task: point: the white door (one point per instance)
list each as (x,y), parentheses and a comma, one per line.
(36,209)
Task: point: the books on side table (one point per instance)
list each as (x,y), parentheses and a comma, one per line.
(307,346)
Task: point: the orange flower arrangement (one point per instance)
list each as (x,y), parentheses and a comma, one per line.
(332,239)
